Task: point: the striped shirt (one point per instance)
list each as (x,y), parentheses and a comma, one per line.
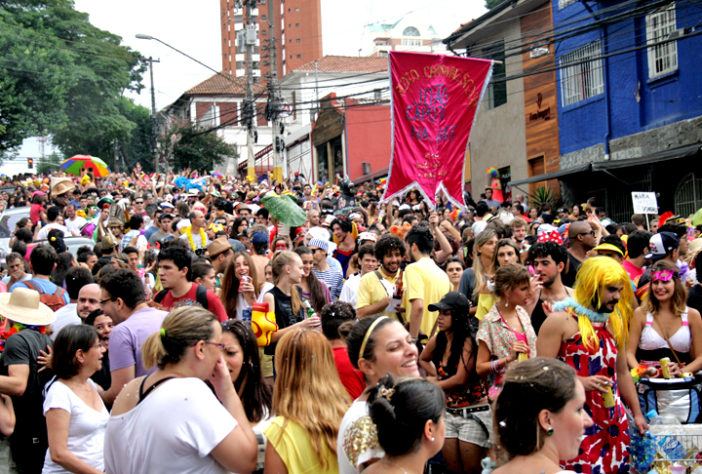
(333,279)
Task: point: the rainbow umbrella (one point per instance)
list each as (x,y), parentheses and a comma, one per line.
(76,163)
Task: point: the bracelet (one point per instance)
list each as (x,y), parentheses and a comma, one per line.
(494,365)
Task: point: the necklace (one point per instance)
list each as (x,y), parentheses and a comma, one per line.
(572,305)
(189,233)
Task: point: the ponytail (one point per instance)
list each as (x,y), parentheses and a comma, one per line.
(182,328)
(400,409)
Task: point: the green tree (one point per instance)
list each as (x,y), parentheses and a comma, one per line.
(48,164)
(61,75)
(490,4)
(132,137)
(189,146)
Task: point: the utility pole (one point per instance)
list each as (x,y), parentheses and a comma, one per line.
(154,125)
(249,111)
(274,98)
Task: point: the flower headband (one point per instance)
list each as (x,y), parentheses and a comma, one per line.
(663,275)
(552,236)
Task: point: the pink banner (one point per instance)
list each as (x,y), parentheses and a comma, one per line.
(435,99)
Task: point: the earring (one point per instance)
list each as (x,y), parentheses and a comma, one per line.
(433,439)
(549,432)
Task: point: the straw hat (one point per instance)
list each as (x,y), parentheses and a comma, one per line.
(23,306)
(61,185)
(694,249)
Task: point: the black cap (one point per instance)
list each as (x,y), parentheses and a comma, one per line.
(453,301)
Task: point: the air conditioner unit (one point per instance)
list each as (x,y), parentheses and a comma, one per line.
(366,167)
(680,32)
(251,34)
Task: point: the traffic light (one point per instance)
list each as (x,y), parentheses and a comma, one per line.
(30,163)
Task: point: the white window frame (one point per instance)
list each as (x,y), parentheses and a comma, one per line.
(662,58)
(564,3)
(582,73)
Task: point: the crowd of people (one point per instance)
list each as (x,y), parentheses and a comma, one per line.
(201,332)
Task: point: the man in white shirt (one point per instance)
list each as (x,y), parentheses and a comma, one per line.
(52,215)
(368,263)
(195,234)
(72,221)
(76,278)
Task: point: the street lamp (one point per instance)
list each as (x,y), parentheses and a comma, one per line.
(149,37)
(153,96)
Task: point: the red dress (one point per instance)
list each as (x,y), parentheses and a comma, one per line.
(605,448)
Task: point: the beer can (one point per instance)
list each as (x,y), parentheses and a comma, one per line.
(244,279)
(665,370)
(608,397)
(522,356)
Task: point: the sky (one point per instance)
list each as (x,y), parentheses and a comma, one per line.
(196,32)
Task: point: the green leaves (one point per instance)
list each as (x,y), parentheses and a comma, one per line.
(542,195)
(61,75)
(189,146)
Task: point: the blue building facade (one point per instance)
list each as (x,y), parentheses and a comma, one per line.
(629,79)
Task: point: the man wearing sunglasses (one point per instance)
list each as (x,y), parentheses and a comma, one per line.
(581,239)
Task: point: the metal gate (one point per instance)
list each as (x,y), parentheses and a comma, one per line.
(688,195)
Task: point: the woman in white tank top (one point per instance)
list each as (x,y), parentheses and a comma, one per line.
(664,322)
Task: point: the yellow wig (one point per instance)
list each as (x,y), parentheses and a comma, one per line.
(594,274)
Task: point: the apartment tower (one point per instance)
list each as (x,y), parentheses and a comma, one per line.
(298,35)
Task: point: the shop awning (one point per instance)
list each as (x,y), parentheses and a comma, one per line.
(683,151)
(670,154)
(553,175)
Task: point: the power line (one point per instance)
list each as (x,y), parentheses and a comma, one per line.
(579,20)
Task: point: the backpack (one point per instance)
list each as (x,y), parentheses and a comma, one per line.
(53,301)
(200,296)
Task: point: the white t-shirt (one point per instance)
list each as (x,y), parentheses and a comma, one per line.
(197,240)
(174,429)
(357,442)
(349,292)
(86,431)
(75,224)
(43,233)
(6,280)
(65,316)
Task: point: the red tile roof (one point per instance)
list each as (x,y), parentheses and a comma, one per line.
(224,84)
(347,64)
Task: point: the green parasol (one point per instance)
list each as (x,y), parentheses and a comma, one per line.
(284,208)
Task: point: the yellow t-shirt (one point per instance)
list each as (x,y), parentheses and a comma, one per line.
(485,302)
(371,290)
(292,444)
(425,280)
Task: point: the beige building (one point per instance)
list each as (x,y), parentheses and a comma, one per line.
(498,136)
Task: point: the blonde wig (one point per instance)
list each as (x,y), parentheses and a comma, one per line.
(593,276)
